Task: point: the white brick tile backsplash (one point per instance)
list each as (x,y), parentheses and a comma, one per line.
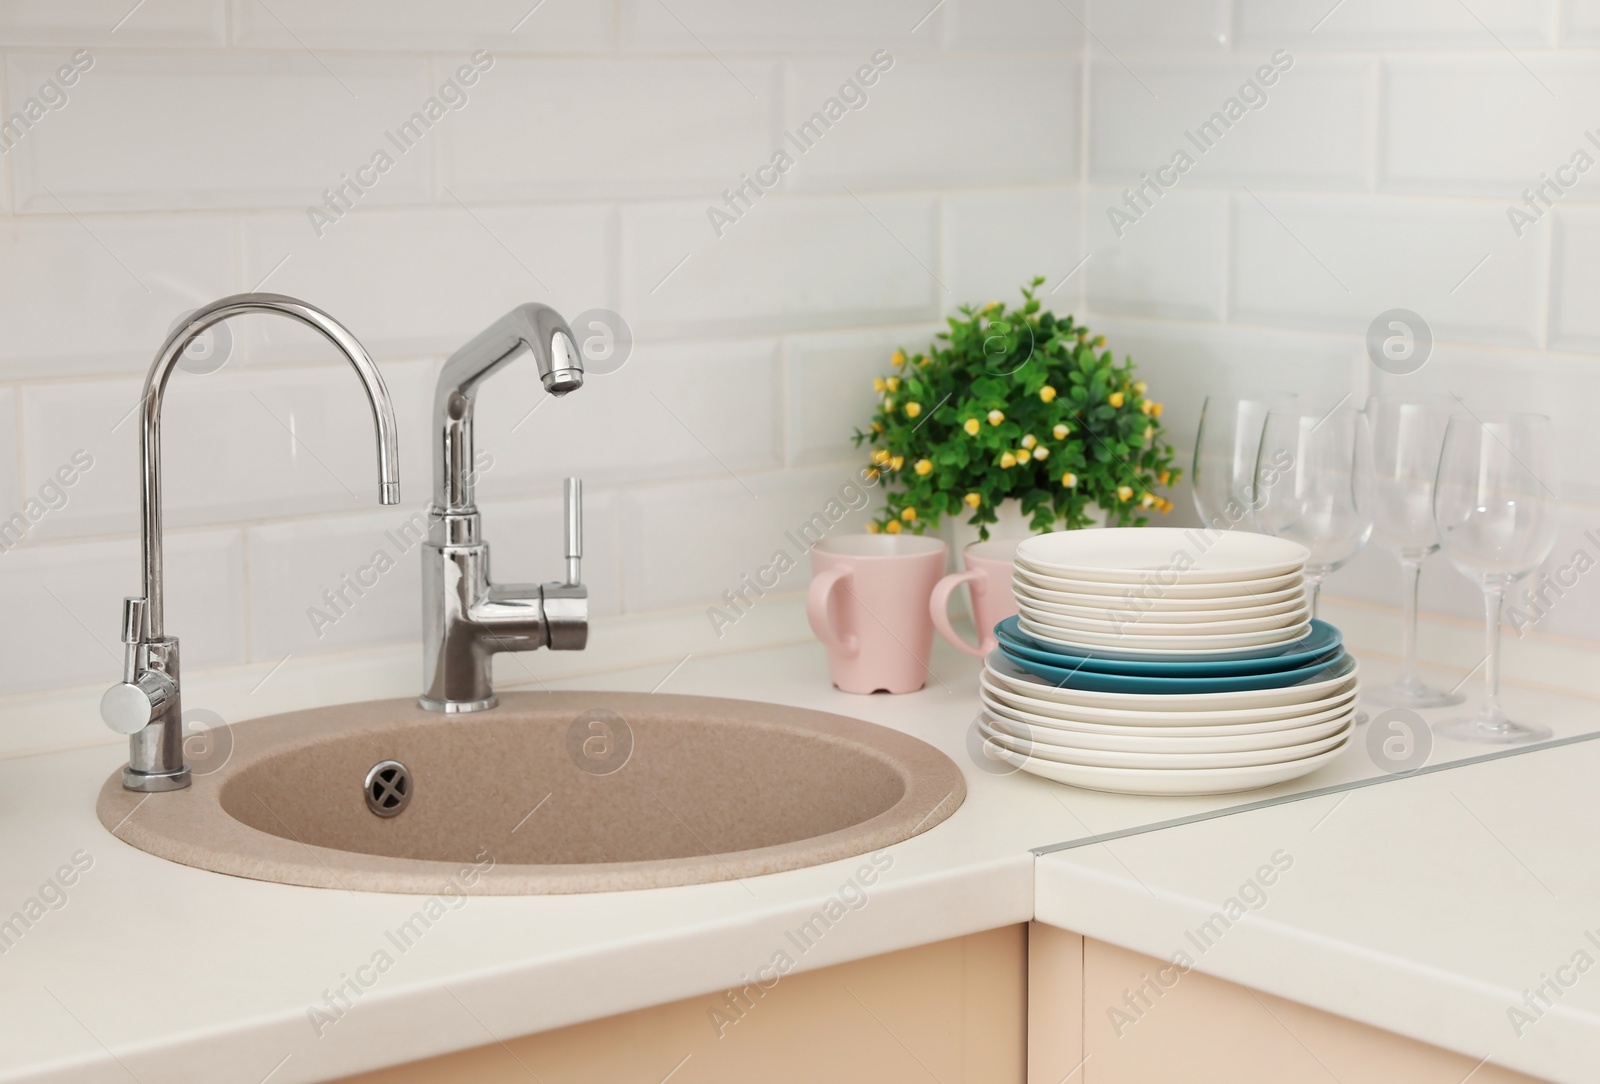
(1009,27)
(1292,253)
(898,135)
(554,26)
(1486,126)
(1575,278)
(689,542)
(829,392)
(1580,23)
(234,446)
(587,129)
(1125,26)
(1315,129)
(772,26)
(997,241)
(788,264)
(10,468)
(74,301)
(64,602)
(177,23)
(1171,263)
(147,132)
(1487,25)
(425,280)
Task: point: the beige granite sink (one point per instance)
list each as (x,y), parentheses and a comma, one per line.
(549,793)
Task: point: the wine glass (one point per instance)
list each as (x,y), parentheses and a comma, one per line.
(1313,485)
(1225,457)
(1407,437)
(1496,511)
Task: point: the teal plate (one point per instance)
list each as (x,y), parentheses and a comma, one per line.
(1159,686)
(1321,644)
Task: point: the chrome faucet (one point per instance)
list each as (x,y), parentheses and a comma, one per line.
(147,703)
(465,618)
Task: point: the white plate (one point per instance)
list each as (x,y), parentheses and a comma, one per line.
(1160,724)
(1136,740)
(1168,781)
(1296,600)
(1131,644)
(1187,555)
(1170,761)
(1342,677)
(1148,625)
(1294,592)
(1244,590)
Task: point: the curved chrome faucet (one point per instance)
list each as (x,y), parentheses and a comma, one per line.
(146,704)
(465,618)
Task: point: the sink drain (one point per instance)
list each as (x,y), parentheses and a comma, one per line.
(388,788)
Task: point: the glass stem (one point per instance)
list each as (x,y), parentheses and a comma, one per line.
(1410,577)
(1494,599)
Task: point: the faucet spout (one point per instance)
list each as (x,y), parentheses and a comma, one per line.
(146,704)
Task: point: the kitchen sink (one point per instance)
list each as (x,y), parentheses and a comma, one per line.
(549,793)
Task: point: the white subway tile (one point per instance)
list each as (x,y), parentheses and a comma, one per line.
(1380,24)
(1336,263)
(673,409)
(111,22)
(64,603)
(1125,26)
(688,543)
(425,280)
(235,446)
(829,387)
(1169,263)
(150,132)
(1580,23)
(996,242)
(99,295)
(587,129)
(10,467)
(699,26)
(1574,278)
(787,264)
(1010,27)
(554,26)
(526,537)
(899,134)
(1486,126)
(1315,130)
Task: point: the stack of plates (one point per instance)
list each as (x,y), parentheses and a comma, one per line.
(1194,669)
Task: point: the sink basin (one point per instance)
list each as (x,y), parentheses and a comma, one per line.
(549,793)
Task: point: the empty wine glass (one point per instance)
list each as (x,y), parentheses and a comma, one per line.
(1496,510)
(1225,458)
(1313,485)
(1407,437)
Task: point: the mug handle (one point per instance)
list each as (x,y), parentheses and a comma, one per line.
(939,610)
(817,598)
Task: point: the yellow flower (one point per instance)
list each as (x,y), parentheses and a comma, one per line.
(1021,454)
(1007,460)
(971,426)
(1157,409)
(922,359)
(897,462)
(1164,505)
(1139,386)
(1061,430)
(1041,453)
(991,306)
(878,385)
(1149,431)
(1117,399)
(1146,407)
(899,359)
(1124,493)
(1147,501)
(893,527)
(877,427)
(996,417)
(873,528)
(1028,441)
(1099,341)
(894,383)
(1069,479)
(909,515)
(913,409)
(1047,393)
(881,456)
(924,467)
(1165,478)
(872,474)
(888,405)
(973,499)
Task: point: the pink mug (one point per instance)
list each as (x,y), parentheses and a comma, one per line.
(868,604)
(988,580)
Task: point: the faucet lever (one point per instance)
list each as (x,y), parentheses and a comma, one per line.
(572,492)
(133,614)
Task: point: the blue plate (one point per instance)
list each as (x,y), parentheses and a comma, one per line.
(1158,686)
(1322,644)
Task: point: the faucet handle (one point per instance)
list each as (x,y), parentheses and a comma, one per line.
(572,493)
(133,615)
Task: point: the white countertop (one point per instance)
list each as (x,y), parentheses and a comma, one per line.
(1405,908)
